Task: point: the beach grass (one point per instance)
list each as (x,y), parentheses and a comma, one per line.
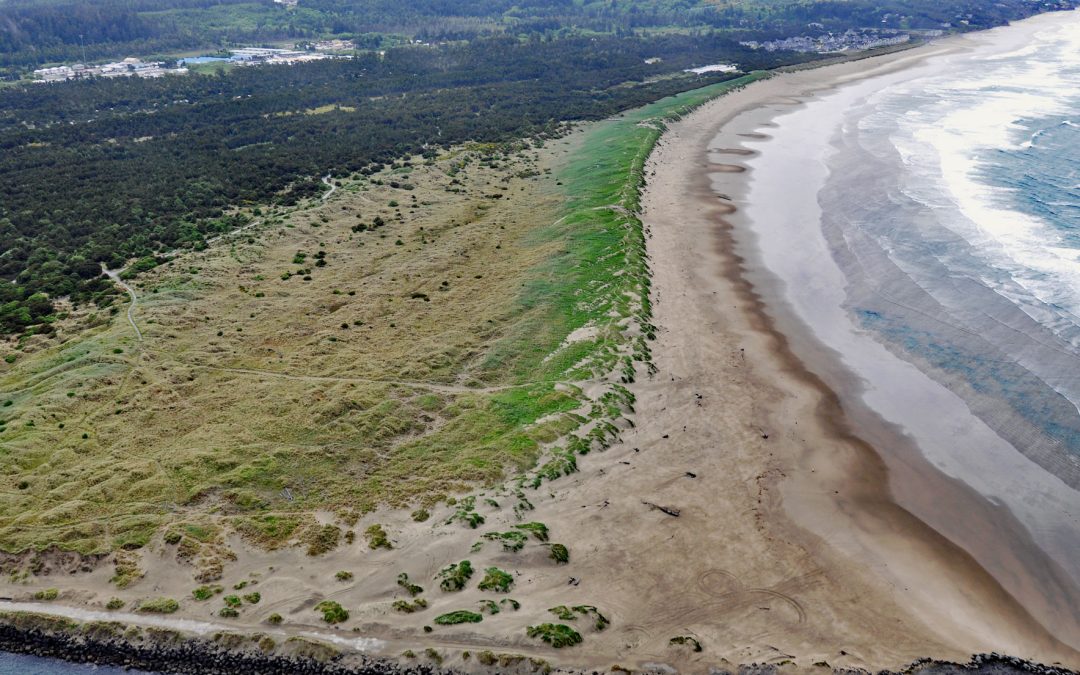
(396,375)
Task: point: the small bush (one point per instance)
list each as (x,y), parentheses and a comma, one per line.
(454,577)
(159,606)
(47,594)
(514,604)
(565,613)
(555,634)
(344,576)
(322,539)
(406,607)
(600,622)
(274,618)
(228,613)
(686,640)
(376,538)
(460,616)
(412,589)
(466,513)
(538,530)
(207,592)
(559,553)
(332,612)
(252,598)
(114,604)
(420,515)
(232,601)
(433,655)
(496,580)
(511,541)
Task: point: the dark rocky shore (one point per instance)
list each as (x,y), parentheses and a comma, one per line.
(164,651)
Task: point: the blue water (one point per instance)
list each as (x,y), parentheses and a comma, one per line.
(961,187)
(17,664)
(1041,177)
(204,59)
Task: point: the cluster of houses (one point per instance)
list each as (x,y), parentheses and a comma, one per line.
(249,56)
(130,67)
(848,41)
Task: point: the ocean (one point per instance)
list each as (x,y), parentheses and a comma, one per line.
(918,234)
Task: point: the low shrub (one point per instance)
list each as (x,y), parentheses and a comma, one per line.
(555,634)
(207,592)
(454,577)
(332,612)
(460,616)
(159,606)
(496,580)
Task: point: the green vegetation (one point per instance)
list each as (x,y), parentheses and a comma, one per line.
(332,612)
(496,580)
(460,616)
(466,513)
(407,607)
(412,589)
(47,594)
(274,618)
(564,613)
(232,601)
(322,539)
(308,445)
(555,634)
(114,604)
(511,541)
(207,592)
(559,553)
(687,641)
(455,576)
(158,606)
(376,538)
(538,530)
(344,576)
(228,612)
(252,598)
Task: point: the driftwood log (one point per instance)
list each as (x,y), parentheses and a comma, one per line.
(671,511)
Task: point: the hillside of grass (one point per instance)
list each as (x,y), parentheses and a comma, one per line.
(423,331)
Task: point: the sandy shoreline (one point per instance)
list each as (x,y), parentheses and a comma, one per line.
(836,482)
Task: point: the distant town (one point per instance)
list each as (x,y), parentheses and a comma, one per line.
(243,56)
(848,41)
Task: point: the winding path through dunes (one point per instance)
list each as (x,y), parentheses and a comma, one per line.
(115,276)
(333,187)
